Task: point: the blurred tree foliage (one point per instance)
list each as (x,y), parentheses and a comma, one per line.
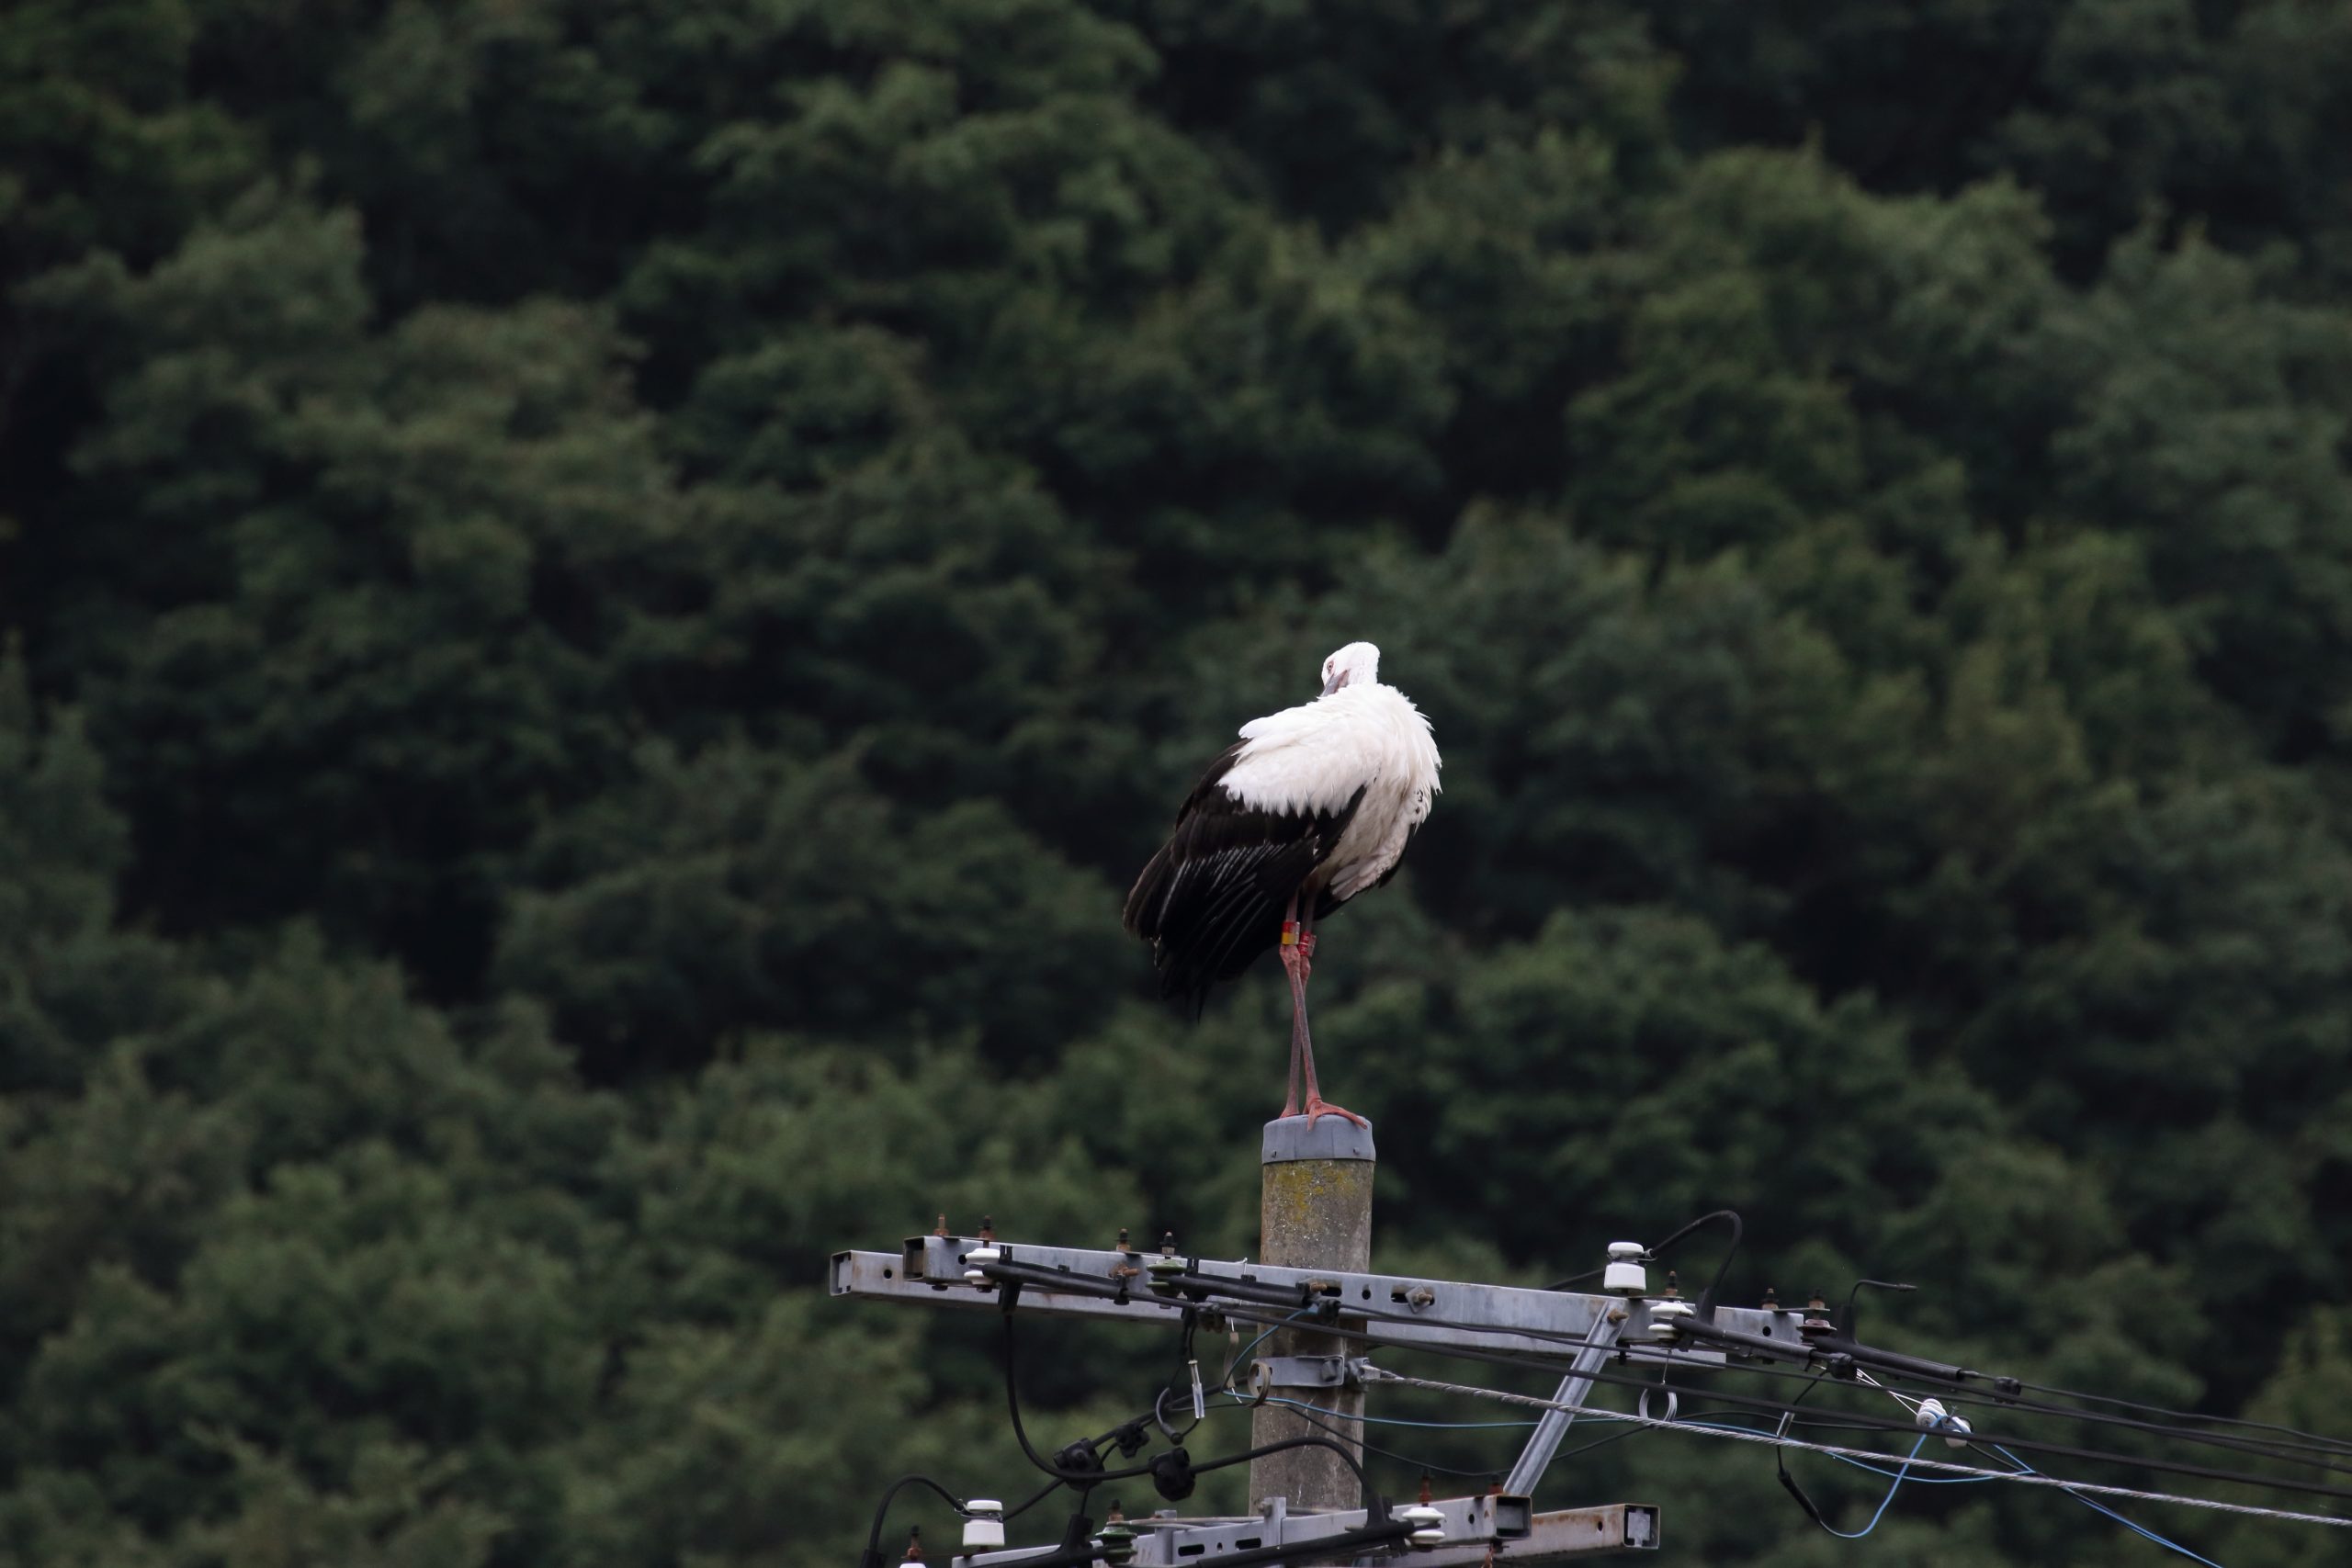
(600,599)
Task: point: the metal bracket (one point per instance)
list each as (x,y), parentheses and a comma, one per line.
(1267,1373)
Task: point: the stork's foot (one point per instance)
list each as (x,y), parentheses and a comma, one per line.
(1318,1106)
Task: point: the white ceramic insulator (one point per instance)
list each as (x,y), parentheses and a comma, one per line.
(980,1533)
(1936,1418)
(1625,1278)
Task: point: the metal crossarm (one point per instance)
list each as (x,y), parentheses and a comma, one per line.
(1403,1310)
(1474,1530)
(1406,1311)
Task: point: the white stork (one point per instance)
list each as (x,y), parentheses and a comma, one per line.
(1312,806)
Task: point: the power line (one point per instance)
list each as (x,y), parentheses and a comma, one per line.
(1504,1358)
(1240,1309)
(1740,1433)
(1958,1395)
(1748,1341)
(2281,1453)
(2136,1529)
(2310,1439)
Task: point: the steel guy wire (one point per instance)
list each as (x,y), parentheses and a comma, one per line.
(1509,1358)
(1957,1395)
(1737,1434)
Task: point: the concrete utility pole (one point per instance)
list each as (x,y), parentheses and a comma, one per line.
(1314,1213)
(1317,1197)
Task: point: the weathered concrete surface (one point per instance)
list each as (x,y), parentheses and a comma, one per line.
(1314,1212)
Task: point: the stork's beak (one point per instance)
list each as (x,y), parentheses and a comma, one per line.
(1335,683)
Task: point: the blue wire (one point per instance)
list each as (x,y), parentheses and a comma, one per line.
(1607,1416)
(1858,1464)
(1917,1480)
(1890,1491)
(1243,1353)
(2101,1507)
(1899,1476)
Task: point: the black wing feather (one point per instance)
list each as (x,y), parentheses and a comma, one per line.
(1211,899)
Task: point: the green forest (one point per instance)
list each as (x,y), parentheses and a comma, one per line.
(601,601)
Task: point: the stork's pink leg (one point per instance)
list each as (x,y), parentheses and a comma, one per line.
(1302,1043)
(1293,965)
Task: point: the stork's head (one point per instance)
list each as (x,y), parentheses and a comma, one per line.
(1358,664)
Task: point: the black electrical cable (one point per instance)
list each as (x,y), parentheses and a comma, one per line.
(2307,1442)
(1776,1407)
(1343,1544)
(1039,1496)
(1943,1391)
(1846,1317)
(1950,1393)
(1578,1279)
(2311,1438)
(1954,1394)
(882,1509)
(2283,1454)
(1893,1375)
(1313,1419)
(1186,1359)
(1274,1447)
(1021,1433)
(1707,1296)
(1947,1392)
(1780,1464)
(1090,1478)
